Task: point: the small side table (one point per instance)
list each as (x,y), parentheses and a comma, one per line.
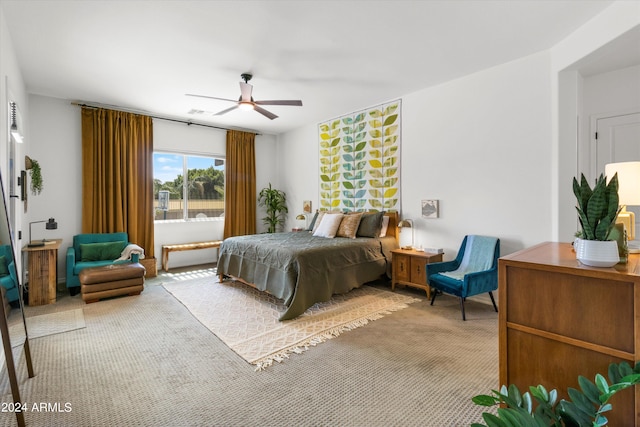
(408,268)
(43,272)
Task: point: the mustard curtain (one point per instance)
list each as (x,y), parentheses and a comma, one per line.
(240,184)
(117,175)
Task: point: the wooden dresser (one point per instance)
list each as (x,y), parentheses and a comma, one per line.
(560,319)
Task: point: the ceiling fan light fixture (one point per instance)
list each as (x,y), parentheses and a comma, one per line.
(246,102)
(245,105)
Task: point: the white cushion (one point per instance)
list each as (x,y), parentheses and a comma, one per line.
(329,225)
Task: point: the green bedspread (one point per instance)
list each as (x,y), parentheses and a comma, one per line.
(302,269)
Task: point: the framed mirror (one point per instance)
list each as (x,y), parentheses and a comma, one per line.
(13,326)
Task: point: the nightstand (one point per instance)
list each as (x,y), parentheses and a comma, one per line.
(43,272)
(408,268)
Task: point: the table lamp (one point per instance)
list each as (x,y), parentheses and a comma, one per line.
(302,217)
(628,193)
(51,224)
(408,223)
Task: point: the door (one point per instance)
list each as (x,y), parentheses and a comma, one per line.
(616,139)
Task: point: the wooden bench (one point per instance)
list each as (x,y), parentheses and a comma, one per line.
(185,247)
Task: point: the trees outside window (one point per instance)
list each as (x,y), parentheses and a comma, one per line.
(200,196)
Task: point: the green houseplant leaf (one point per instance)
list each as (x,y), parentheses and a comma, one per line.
(275,202)
(585,408)
(35,173)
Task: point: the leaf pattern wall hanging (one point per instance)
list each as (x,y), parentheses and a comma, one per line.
(360,160)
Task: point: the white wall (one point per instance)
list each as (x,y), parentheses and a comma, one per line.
(12,89)
(612,92)
(498,148)
(479,144)
(299,155)
(56,143)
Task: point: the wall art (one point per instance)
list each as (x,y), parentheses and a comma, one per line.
(430,209)
(360,160)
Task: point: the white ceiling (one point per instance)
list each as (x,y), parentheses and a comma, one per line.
(335,56)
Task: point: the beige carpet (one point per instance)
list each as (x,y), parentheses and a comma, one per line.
(146,361)
(48,324)
(246,319)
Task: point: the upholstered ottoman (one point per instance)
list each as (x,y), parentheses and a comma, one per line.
(111,281)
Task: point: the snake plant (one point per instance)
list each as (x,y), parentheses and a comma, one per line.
(597,208)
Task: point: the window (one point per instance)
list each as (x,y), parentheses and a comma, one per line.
(201,195)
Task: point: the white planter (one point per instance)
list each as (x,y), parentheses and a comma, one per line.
(597,253)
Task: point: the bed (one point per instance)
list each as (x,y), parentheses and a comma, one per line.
(302,269)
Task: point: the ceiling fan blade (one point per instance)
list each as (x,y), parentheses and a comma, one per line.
(280,102)
(245,91)
(211,97)
(265,113)
(225,111)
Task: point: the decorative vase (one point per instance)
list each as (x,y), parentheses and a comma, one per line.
(597,253)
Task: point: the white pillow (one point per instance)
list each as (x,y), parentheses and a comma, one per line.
(385,224)
(329,225)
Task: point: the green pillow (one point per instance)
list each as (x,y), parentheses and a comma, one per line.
(90,251)
(370,225)
(112,250)
(104,251)
(4,271)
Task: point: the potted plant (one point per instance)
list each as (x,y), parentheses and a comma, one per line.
(586,407)
(35,173)
(276,204)
(597,209)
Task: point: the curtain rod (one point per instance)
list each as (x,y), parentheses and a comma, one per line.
(128,110)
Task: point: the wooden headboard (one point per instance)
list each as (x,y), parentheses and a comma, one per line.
(392,229)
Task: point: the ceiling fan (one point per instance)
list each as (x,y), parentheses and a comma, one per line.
(246,102)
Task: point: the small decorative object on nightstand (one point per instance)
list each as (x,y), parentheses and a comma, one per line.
(409,268)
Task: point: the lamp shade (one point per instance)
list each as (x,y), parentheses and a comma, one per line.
(405,223)
(628,181)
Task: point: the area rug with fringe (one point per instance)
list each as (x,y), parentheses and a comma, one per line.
(246,320)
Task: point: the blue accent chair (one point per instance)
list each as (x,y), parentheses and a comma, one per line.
(473,272)
(74,257)
(9,281)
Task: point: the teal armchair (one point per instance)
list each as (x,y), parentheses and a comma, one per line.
(94,250)
(8,279)
(473,272)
